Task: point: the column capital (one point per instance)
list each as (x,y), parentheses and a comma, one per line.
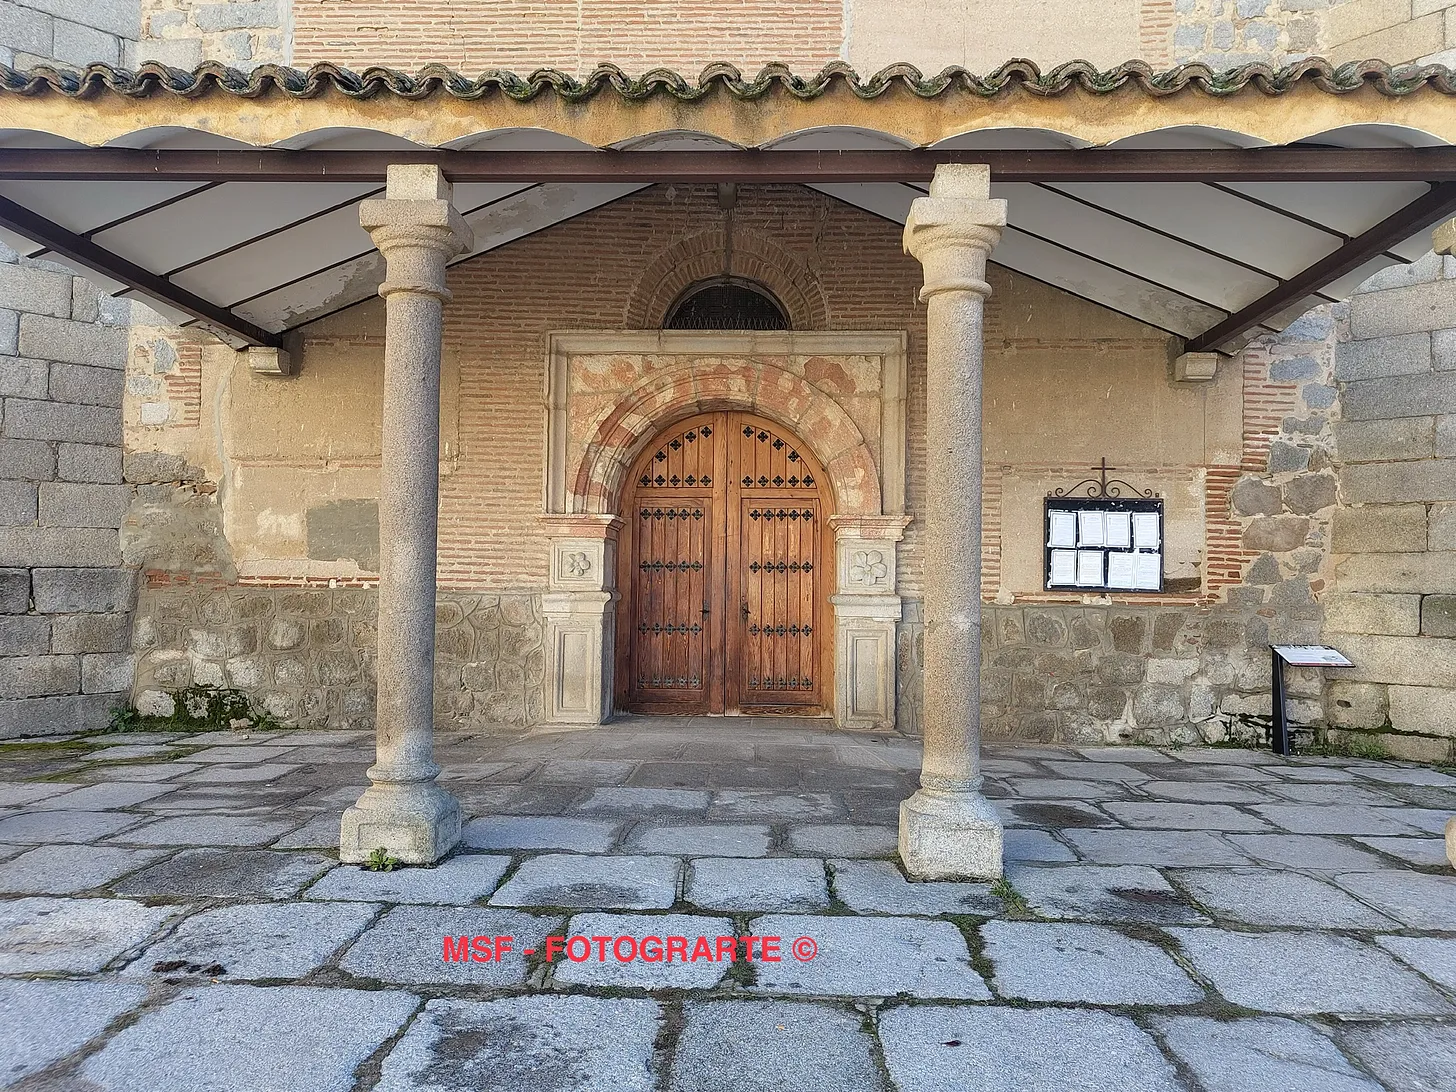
(417,229)
(953,230)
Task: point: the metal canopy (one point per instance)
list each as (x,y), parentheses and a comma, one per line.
(1188,229)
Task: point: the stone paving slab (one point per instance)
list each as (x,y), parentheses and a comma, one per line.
(43,1021)
(226,874)
(880,887)
(68,869)
(1306,973)
(731,804)
(1258,896)
(870,957)
(768,1046)
(1311,852)
(260,941)
(407,945)
(1118,893)
(1407,1057)
(321,832)
(1021,844)
(1336,819)
(1425,852)
(1265,1053)
(249,1038)
(209,830)
(106,796)
(1082,964)
(589,883)
(48,827)
(138,771)
(16,793)
(930,1048)
(636,802)
(1412,898)
(453,882)
(697,974)
(1172,848)
(1173,816)
(779,883)
(708,840)
(520,832)
(1208,792)
(526,1044)
(844,840)
(1434,957)
(235,775)
(72,935)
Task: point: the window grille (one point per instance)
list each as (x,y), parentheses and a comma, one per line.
(726,305)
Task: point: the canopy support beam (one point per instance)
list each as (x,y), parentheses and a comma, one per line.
(1430,208)
(83,252)
(1298,163)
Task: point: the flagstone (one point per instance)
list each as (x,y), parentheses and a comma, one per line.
(1434,957)
(454,881)
(48,827)
(268,940)
(683,974)
(1154,847)
(1415,899)
(546,832)
(708,840)
(1082,964)
(250,1038)
(766,1046)
(1407,1057)
(1259,896)
(880,887)
(778,883)
(526,1044)
(68,869)
(226,874)
(1263,1053)
(1299,973)
(932,1048)
(407,945)
(844,840)
(42,1021)
(72,935)
(868,957)
(579,882)
(1108,893)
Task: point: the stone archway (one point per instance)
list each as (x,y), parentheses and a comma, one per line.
(843,394)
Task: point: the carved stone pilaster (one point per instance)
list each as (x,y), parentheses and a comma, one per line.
(580,613)
(866,613)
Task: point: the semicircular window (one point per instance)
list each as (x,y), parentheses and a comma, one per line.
(726,305)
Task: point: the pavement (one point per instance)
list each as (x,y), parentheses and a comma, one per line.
(173,916)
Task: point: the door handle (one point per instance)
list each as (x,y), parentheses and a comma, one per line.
(745,610)
(705,608)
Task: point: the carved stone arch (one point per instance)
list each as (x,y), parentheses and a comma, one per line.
(705,386)
(701,257)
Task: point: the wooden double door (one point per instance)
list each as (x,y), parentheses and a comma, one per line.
(722,572)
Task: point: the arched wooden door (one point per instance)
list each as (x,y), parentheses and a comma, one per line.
(721,569)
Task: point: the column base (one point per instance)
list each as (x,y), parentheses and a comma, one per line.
(950,836)
(414,823)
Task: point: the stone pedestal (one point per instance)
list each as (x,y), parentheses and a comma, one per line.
(866,614)
(947,828)
(404,811)
(580,612)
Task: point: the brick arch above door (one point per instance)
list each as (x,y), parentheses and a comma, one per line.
(594,435)
(709,254)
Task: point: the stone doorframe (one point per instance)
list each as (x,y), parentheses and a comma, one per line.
(601,412)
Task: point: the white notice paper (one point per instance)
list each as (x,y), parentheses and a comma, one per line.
(1118,529)
(1064,567)
(1089,567)
(1089,529)
(1147,571)
(1063,530)
(1145,530)
(1120,571)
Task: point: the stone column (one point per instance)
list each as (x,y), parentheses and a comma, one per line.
(417,229)
(947,828)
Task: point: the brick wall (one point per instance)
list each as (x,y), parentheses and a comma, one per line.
(65,597)
(1394,611)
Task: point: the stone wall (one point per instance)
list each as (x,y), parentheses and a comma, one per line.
(240,33)
(1394,607)
(306,655)
(65,596)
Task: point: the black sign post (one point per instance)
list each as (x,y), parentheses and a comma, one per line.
(1298,656)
